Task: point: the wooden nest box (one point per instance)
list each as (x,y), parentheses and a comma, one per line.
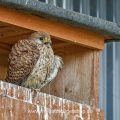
(79,48)
(78,45)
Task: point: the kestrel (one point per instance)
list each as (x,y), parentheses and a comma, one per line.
(32,62)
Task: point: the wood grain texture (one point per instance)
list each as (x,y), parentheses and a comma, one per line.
(74,80)
(78,80)
(56,29)
(9,34)
(3,64)
(94,80)
(18,104)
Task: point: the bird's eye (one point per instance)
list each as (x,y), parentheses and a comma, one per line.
(41,38)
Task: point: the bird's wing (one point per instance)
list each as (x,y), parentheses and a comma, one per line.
(22,59)
(57,65)
(42,68)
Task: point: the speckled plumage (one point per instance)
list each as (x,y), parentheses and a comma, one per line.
(32,62)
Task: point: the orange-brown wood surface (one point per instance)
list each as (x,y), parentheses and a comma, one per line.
(94,81)
(18,104)
(56,29)
(78,80)
(3,64)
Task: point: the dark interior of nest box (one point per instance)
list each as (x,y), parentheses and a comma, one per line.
(74,81)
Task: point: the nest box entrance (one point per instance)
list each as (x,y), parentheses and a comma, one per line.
(79,48)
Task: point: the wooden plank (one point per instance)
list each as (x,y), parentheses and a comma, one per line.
(12,31)
(13,39)
(78,80)
(3,24)
(18,104)
(56,29)
(73,82)
(94,79)
(5,46)
(3,64)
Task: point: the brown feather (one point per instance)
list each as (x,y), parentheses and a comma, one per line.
(32,62)
(22,59)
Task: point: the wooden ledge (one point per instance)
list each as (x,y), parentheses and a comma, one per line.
(17,103)
(56,29)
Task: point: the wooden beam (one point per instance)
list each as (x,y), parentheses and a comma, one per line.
(56,29)
(13,39)
(4,48)
(94,79)
(73,82)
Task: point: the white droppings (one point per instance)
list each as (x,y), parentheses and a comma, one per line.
(60,104)
(14,92)
(1,84)
(46,114)
(18,92)
(25,95)
(29,97)
(39,110)
(53,101)
(45,100)
(59,101)
(50,100)
(88,111)
(81,117)
(65,116)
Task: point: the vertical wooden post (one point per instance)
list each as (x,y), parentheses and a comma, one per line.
(94,79)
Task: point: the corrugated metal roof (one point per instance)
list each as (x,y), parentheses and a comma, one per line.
(46,10)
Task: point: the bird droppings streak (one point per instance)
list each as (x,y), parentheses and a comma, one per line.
(39,110)
(14,92)
(53,101)
(28,96)
(81,112)
(46,112)
(60,104)
(19,100)
(1,84)
(89,112)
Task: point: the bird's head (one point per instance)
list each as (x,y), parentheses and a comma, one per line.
(41,38)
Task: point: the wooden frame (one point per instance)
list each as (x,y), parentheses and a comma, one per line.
(56,29)
(71,36)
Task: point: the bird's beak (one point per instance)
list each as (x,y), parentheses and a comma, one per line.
(45,40)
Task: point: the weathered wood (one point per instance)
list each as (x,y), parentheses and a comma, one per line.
(74,80)
(11,31)
(13,39)
(94,79)
(56,29)
(3,64)
(78,80)
(18,104)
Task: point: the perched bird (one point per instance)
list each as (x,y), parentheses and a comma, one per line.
(32,62)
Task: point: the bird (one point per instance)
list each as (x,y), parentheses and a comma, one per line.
(32,62)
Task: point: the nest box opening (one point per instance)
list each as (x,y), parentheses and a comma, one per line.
(76,81)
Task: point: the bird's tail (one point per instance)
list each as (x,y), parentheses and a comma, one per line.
(58,62)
